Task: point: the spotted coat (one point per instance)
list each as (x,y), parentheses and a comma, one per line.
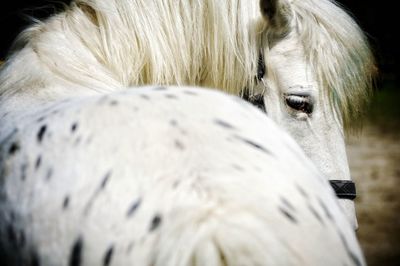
(163,176)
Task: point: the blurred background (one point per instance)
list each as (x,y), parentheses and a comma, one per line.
(374,154)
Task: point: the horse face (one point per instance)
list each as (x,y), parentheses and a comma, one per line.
(294,99)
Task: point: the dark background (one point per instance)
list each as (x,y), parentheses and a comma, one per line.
(377,20)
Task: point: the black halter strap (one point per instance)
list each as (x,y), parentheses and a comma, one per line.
(344,189)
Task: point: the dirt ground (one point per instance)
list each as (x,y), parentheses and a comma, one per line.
(374,159)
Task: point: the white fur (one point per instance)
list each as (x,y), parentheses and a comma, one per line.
(186,154)
(97,47)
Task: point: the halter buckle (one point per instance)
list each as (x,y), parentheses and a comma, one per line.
(344,189)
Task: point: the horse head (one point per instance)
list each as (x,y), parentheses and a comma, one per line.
(315,81)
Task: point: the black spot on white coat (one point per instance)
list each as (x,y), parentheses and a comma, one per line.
(223,124)
(155,222)
(325,209)
(114,103)
(49,174)
(41,132)
(74,127)
(38,162)
(302,191)
(108,256)
(315,213)
(287,204)
(133,208)
(24,168)
(254,145)
(102,186)
(179,145)
(14,147)
(288,215)
(75,256)
(175,124)
(40,119)
(65,203)
(105,180)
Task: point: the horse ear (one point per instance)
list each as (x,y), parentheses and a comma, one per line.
(276,12)
(268,8)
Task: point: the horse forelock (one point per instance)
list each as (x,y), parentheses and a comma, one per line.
(339,54)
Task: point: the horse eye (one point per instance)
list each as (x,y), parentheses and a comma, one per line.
(300,103)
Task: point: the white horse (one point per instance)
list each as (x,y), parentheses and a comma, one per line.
(313,76)
(164,176)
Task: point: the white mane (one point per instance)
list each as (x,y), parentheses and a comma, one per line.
(108,45)
(339,54)
(119,43)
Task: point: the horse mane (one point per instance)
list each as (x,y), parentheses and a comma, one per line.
(105,45)
(113,44)
(339,54)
